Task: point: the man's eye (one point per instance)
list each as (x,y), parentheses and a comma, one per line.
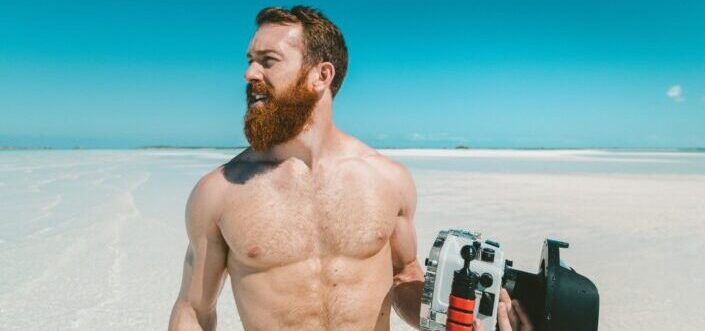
(268,62)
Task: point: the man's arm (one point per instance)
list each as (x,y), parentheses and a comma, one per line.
(205,262)
(408,275)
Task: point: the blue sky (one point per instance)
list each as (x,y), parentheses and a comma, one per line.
(505,74)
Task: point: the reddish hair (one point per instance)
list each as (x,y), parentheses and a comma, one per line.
(322,41)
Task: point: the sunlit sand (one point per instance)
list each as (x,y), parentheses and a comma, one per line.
(95,240)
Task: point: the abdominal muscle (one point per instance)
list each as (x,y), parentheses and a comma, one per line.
(315,293)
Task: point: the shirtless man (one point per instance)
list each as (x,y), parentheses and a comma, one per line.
(313,226)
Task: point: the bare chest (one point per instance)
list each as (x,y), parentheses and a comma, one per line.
(290,214)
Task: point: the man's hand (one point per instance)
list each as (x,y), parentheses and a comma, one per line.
(511,316)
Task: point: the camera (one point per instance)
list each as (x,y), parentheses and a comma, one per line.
(464,276)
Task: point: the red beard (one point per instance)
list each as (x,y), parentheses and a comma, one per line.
(278,118)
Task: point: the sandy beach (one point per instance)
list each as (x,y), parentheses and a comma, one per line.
(95,240)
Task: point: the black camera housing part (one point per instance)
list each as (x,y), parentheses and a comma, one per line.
(557,297)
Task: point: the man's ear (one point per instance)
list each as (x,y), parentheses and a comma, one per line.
(325,72)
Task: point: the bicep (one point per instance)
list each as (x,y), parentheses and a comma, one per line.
(403,243)
(206,256)
(203,274)
(408,275)
(403,239)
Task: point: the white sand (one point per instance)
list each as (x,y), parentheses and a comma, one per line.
(94,240)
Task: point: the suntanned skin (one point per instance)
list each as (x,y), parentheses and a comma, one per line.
(315,233)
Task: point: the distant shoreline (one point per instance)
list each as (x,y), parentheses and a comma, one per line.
(169,147)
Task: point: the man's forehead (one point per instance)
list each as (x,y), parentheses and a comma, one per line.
(279,38)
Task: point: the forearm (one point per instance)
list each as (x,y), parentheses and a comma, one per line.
(406,299)
(406,293)
(185,317)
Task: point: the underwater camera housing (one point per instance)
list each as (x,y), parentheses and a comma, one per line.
(556,298)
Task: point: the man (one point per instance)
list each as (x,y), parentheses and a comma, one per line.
(313,226)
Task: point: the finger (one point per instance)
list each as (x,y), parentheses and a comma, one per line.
(478,326)
(504,297)
(503,318)
(523,316)
(513,318)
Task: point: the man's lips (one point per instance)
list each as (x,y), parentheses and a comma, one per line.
(254,98)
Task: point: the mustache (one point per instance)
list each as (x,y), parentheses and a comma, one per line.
(258,87)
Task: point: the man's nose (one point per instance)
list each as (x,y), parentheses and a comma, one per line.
(253,72)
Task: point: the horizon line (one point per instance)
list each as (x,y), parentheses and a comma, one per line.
(458,147)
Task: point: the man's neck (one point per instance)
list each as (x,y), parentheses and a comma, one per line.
(319,139)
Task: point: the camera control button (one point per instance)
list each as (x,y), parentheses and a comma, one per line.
(486,280)
(488,254)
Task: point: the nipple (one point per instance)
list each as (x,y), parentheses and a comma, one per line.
(381,235)
(253,252)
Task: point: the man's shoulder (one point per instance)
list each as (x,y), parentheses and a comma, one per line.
(382,164)
(392,174)
(208,188)
(388,167)
(204,205)
(211,182)
(214,183)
